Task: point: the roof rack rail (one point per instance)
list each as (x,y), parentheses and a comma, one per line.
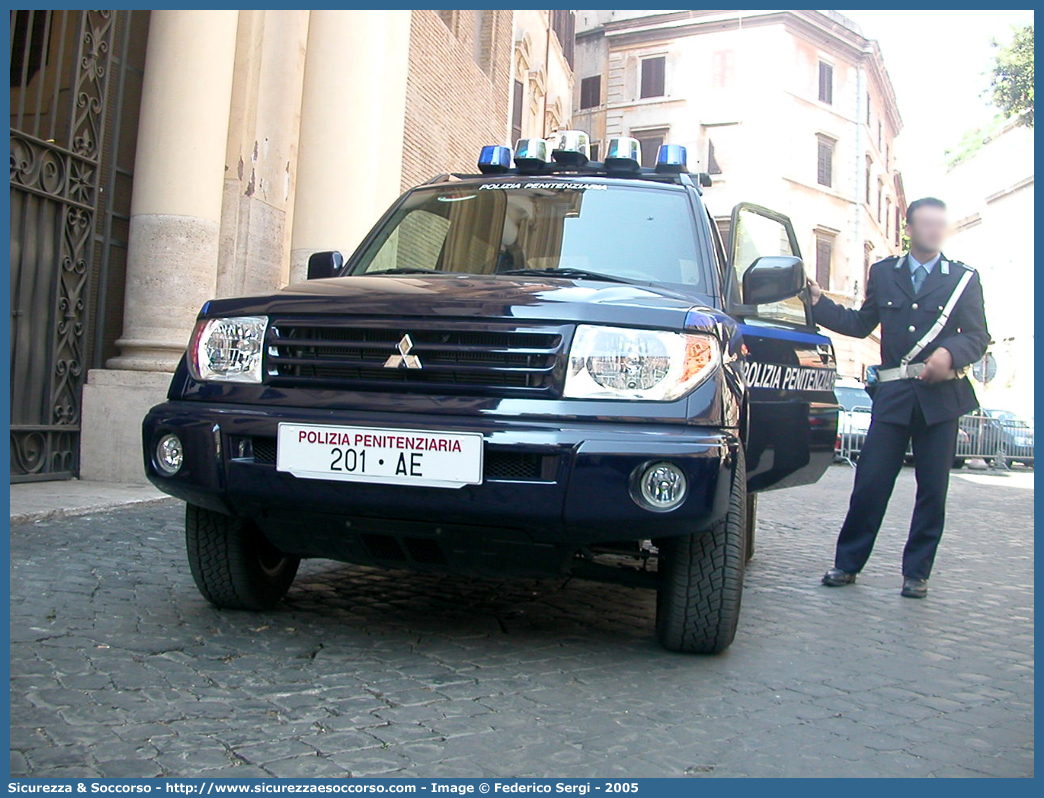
(590,169)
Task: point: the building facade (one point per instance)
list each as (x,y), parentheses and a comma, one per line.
(990,198)
(163,159)
(793,110)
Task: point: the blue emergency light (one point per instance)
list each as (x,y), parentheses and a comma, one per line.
(494,158)
(623,154)
(672,159)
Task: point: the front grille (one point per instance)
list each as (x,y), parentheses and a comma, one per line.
(496,463)
(511,465)
(264,450)
(453,358)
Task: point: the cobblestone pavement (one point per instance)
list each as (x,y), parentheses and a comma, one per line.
(119,668)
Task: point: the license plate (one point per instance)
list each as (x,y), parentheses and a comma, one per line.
(371,454)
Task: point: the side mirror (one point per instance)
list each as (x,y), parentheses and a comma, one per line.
(324,264)
(773,278)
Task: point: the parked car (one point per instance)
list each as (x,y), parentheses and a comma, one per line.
(853,420)
(545,369)
(1015,433)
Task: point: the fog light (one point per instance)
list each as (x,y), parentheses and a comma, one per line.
(169,455)
(659,487)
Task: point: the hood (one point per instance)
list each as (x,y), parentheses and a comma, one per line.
(470,296)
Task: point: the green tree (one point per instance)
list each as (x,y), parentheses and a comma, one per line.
(1011,81)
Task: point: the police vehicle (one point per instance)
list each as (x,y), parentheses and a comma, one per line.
(551,367)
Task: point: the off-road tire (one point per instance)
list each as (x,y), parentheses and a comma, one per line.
(233,564)
(698,599)
(752,526)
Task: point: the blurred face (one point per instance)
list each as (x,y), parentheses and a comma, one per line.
(927,231)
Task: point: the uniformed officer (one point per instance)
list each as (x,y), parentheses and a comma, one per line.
(920,394)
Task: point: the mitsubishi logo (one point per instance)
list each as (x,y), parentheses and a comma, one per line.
(404,358)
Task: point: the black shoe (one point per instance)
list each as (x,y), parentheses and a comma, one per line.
(914,588)
(835,577)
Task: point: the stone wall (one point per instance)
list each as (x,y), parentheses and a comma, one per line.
(457,90)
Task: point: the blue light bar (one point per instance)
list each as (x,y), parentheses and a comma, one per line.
(494,158)
(672,158)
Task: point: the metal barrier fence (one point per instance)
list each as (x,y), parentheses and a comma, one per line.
(998,442)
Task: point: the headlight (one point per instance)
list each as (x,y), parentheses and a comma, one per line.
(228,350)
(654,365)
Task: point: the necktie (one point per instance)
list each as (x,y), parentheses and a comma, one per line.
(920,273)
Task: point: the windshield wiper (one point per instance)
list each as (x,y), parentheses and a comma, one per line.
(402,270)
(582,274)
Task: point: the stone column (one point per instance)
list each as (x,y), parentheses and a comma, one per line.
(175,216)
(353,113)
(261,162)
(179,167)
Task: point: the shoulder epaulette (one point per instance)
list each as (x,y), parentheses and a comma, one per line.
(890,260)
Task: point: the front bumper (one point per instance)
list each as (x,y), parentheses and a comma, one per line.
(573,492)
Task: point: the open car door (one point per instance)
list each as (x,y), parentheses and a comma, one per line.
(789,367)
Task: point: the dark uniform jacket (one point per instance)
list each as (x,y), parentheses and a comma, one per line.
(905,316)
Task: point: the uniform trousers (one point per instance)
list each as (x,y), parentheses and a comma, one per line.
(879,462)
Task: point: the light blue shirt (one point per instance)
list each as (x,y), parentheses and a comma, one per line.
(912,262)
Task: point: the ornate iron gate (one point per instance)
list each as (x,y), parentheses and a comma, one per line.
(67,83)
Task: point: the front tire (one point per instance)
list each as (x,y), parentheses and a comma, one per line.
(698,600)
(233,564)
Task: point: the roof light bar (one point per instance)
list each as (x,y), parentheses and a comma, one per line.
(623,154)
(672,159)
(494,158)
(571,147)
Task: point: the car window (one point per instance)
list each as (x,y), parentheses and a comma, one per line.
(757,236)
(851,398)
(629,232)
(416,243)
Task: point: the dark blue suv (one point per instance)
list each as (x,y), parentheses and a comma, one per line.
(546,369)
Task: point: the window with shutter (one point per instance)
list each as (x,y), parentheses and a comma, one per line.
(824,255)
(880,197)
(869,171)
(825,170)
(516,112)
(564,25)
(826,83)
(650,142)
(591,91)
(712,162)
(868,247)
(653,76)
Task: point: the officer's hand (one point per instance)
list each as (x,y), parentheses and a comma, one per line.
(814,290)
(938,365)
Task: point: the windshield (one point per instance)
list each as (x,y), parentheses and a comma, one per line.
(627,232)
(1001,415)
(851,398)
